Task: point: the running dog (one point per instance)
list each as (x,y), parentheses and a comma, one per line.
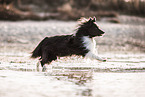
(81,43)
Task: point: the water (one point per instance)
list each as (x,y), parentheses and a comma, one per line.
(122,76)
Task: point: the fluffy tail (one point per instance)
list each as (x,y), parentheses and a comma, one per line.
(38,52)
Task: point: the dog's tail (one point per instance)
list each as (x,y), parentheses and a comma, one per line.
(37,51)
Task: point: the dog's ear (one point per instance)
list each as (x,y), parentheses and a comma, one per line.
(94,20)
(90,20)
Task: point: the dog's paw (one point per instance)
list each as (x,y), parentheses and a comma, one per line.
(104,60)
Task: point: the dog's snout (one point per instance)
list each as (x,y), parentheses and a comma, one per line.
(102,32)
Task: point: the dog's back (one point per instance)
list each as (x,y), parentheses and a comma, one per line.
(56,44)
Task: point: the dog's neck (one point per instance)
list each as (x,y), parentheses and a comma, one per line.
(89,43)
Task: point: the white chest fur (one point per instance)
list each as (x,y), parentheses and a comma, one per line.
(89,44)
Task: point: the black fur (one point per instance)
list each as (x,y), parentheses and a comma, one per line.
(52,47)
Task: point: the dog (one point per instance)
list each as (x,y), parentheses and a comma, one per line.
(81,43)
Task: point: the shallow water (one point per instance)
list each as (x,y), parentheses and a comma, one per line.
(76,84)
(121,76)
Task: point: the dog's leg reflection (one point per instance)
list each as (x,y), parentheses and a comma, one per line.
(44,68)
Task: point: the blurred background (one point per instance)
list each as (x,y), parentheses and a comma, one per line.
(68,9)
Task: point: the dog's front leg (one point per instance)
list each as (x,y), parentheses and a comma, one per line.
(94,56)
(99,58)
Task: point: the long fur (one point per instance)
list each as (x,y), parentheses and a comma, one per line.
(82,43)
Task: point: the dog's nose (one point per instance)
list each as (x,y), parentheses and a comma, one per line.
(103,32)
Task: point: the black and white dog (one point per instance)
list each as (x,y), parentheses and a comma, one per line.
(82,43)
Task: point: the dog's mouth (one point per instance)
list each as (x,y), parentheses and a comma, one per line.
(101,34)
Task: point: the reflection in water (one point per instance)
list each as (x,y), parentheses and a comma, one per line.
(121,76)
(88,83)
(78,77)
(87,92)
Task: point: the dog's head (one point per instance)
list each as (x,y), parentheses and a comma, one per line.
(90,28)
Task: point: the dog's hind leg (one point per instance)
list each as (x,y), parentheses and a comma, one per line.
(43,62)
(47,58)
